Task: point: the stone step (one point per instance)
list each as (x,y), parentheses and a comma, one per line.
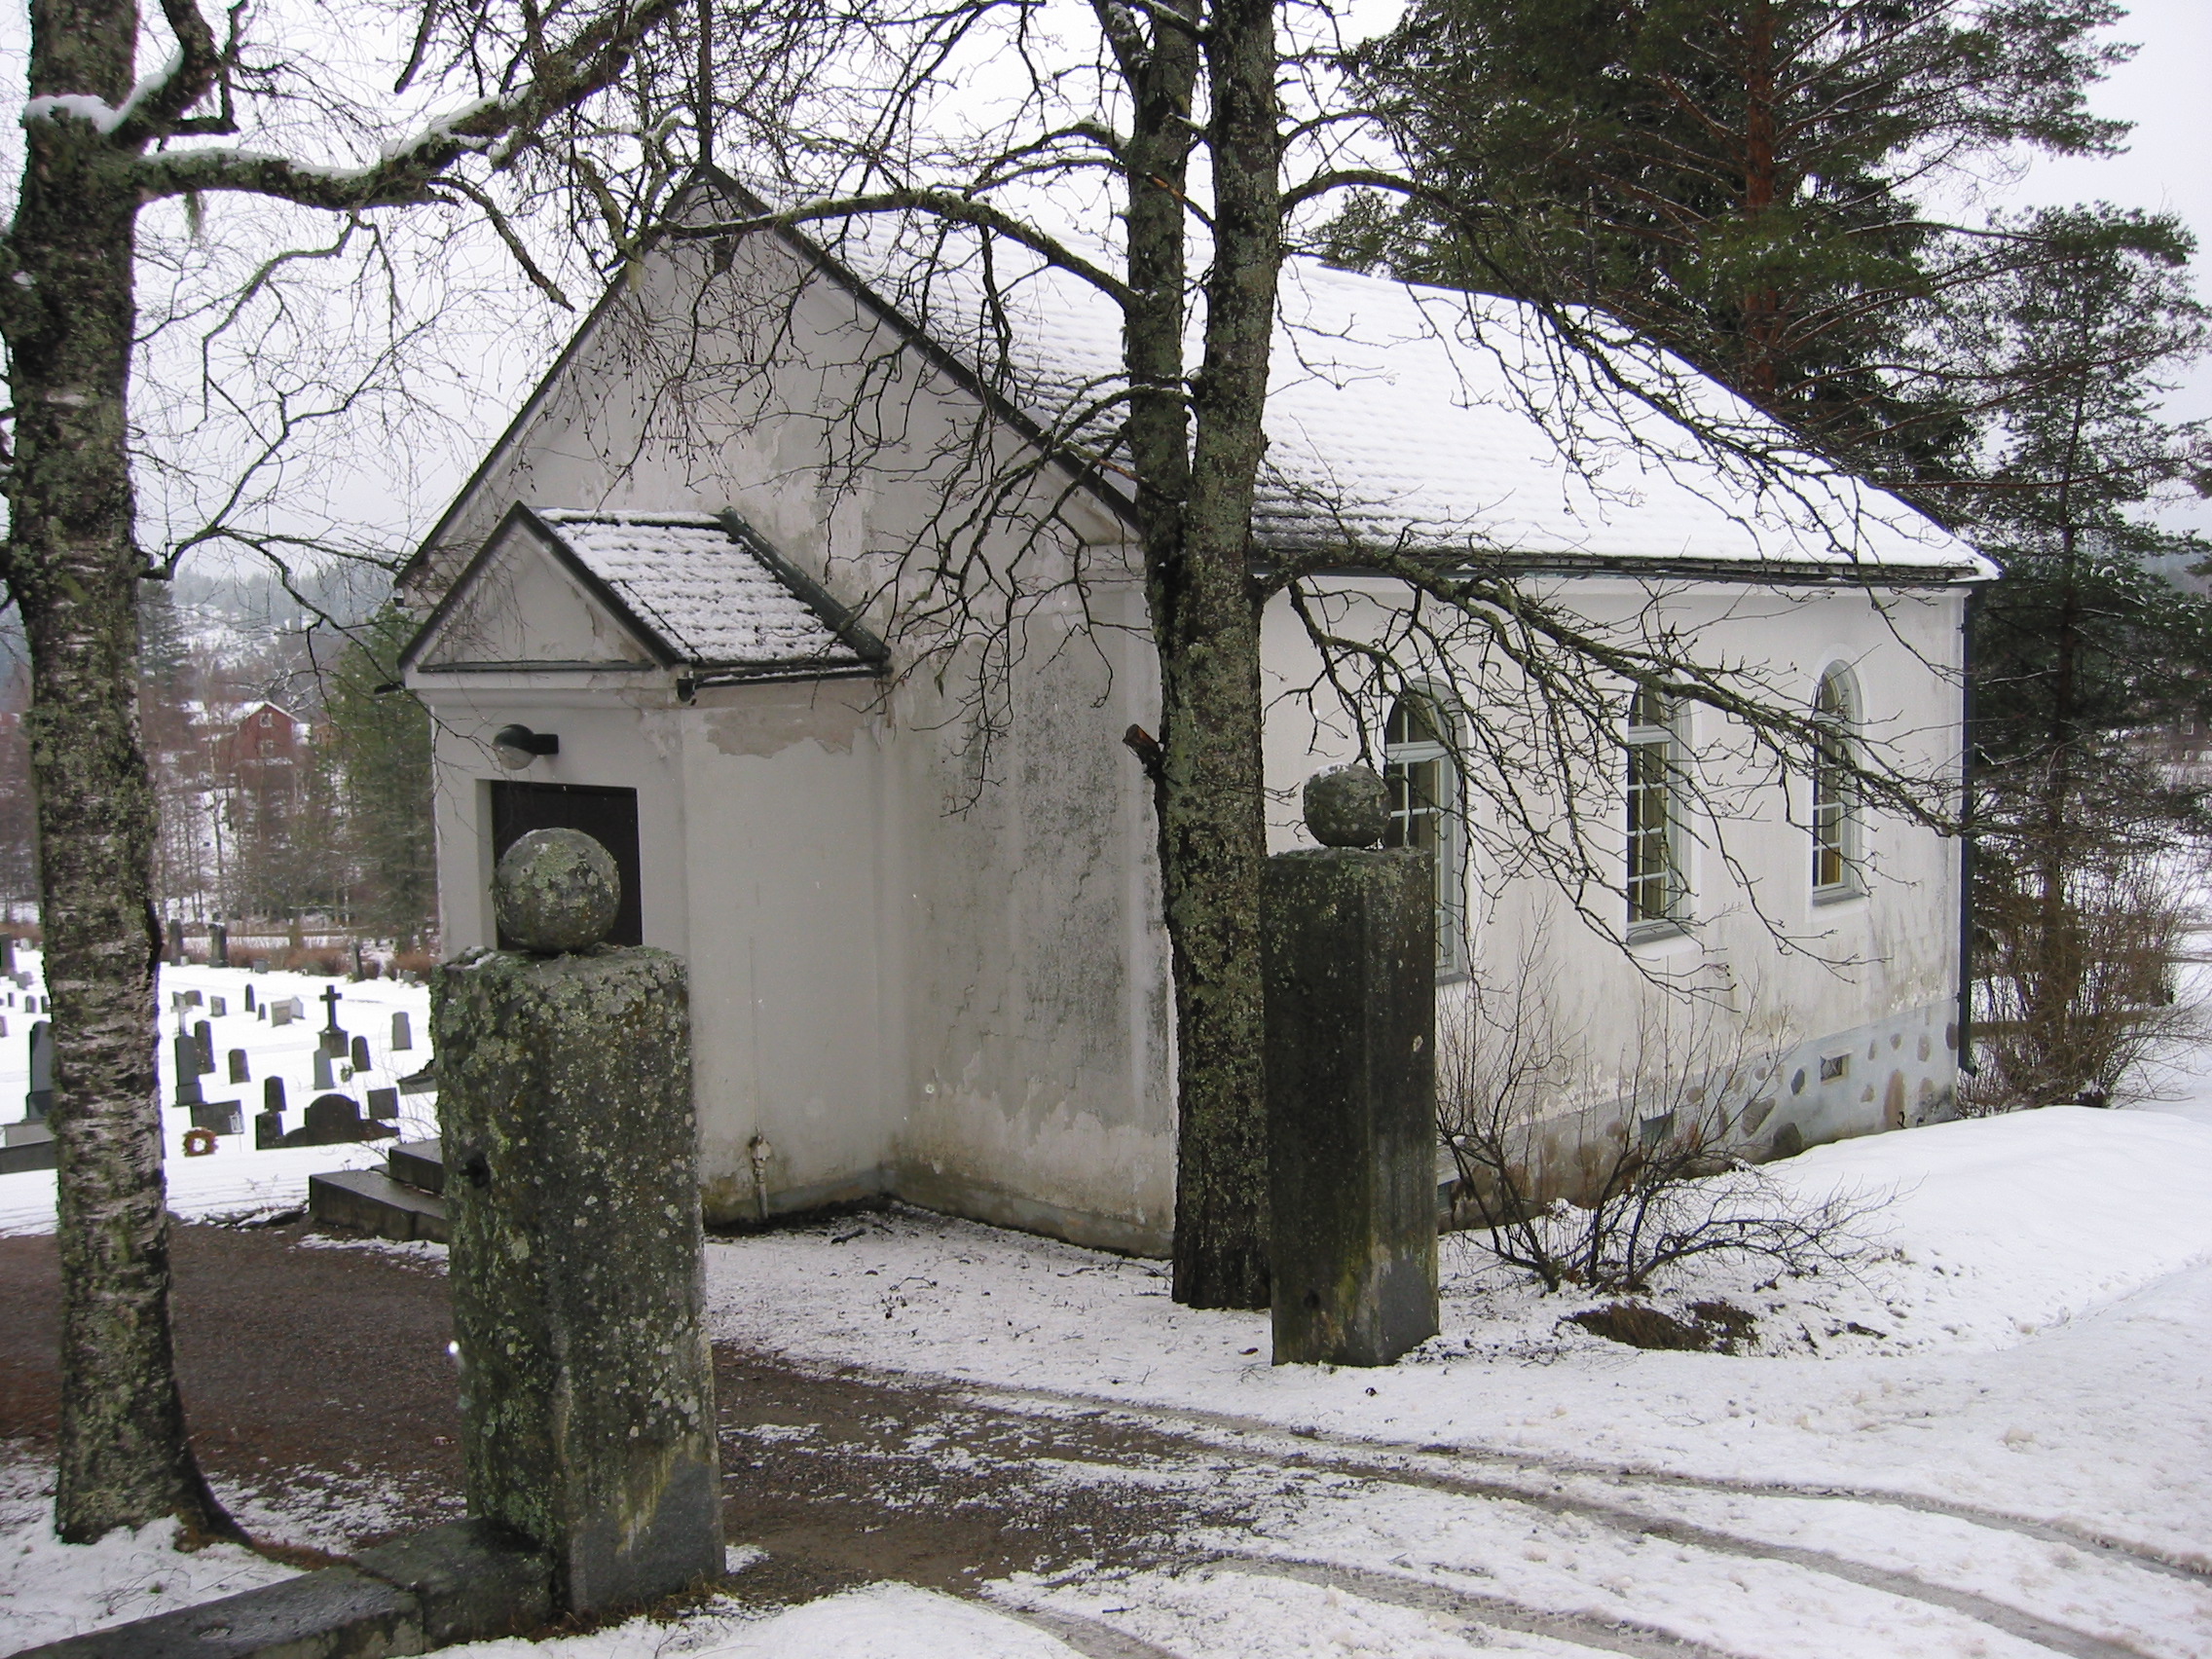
(371,1202)
(419,1164)
(22,1156)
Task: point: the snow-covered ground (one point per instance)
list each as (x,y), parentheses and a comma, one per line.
(235,1179)
(1988,1434)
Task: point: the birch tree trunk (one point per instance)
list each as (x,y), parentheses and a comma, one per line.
(96,150)
(73,566)
(1195,501)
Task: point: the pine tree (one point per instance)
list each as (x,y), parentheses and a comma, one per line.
(1740,180)
(377,741)
(2083,646)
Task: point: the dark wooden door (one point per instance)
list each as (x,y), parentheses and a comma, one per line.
(608,816)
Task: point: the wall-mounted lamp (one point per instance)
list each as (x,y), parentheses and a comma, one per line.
(516,746)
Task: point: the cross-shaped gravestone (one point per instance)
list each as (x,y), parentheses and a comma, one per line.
(330,1001)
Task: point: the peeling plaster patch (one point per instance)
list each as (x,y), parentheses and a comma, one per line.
(772,719)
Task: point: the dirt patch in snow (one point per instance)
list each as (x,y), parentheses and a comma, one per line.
(845,1479)
(324,1406)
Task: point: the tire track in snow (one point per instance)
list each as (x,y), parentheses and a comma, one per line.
(1425,1595)
(1356,1459)
(1998,1615)
(1373,1456)
(1094,1639)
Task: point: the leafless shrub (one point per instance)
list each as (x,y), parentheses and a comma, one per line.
(2080,990)
(1603,1185)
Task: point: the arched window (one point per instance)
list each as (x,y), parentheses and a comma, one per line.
(1658,891)
(1835,708)
(1424,807)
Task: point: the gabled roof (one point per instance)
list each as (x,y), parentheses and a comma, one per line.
(1399,418)
(698,591)
(1428,419)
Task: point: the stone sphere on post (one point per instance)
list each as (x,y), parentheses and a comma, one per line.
(1347,806)
(556,890)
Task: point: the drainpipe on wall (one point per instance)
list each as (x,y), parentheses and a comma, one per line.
(1967,616)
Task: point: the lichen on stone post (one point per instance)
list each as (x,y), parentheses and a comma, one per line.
(571,1181)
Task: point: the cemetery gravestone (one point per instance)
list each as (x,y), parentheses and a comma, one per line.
(204,1038)
(40,1100)
(217,1008)
(250,999)
(383,1103)
(402,1038)
(324,1076)
(331,1120)
(218,945)
(273,1094)
(360,1053)
(1351,1038)
(7,953)
(187,1050)
(269,1130)
(565,1112)
(222,1117)
(281,1014)
(239,1066)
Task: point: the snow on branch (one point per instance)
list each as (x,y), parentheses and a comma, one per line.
(497,128)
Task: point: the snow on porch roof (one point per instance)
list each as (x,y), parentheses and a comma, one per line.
(711,594)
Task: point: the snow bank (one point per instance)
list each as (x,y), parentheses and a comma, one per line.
(883,1621)
(2031,1313)
(50,1590)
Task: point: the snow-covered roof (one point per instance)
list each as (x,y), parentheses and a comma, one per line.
(1402,417)
(711,591)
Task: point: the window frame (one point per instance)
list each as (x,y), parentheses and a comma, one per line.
(1446,809)
(1831,819)
(1656,751)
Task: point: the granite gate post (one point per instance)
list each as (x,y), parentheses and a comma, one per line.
(571,1181)
(1350,962)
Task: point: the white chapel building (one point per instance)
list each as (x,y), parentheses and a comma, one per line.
(694,601)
